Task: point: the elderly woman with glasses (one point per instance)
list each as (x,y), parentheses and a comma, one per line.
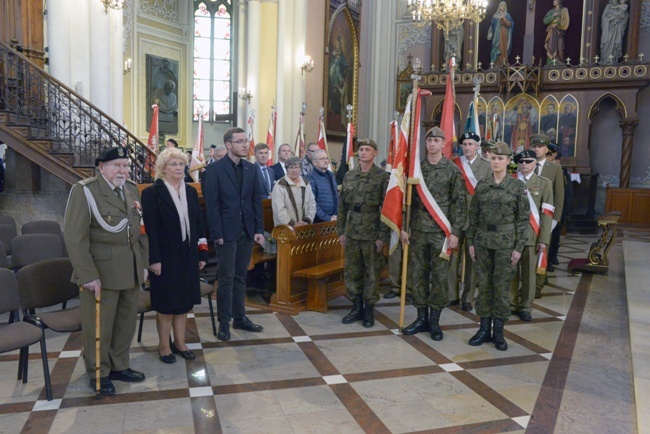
(292,198)
(177,251)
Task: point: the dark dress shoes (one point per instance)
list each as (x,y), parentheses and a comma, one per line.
(554,261)
(246,324)
(550,268)
(224,331)
(409,298)
(186,354)
(169,358)
(467,307)
(127,375)
(390,294)
(525,316)
(453,303)
(106,387)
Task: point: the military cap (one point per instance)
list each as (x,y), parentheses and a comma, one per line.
(110,154)
(525,155)
(435,132)
(469,135)
(213,146)
(487,144)
(539,139)
(367,142)
(501,148)
(552,147)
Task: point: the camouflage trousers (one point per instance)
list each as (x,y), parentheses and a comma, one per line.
(521,297)
(395,271)
(494,273)
(455,270)
(362,267)
(428,270)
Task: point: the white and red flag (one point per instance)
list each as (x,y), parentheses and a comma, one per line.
(152,142)
(197,151)
(391,211)
(270,136)
(394,142)
(447,123)
(299,146)
(349,145)
(249,136)
(416,172)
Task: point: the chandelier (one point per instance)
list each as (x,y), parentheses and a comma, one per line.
(112,4)
(447,14)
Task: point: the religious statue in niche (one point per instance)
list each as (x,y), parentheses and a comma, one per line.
(556,21)
(454,44)
(162,85)
(613,24)
(500,33)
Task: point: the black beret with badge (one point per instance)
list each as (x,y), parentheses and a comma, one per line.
(467,135)
(110,154)
(525,155)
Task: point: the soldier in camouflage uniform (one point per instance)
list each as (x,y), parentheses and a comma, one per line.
(498,229)
(361,232)
(428,270)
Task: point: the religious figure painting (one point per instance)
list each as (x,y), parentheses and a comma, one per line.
(342,60)
(568,126)
(549,118)
(521,121)
(404,89)
(613,25)
(481,109)
(500,33)
(162,89)
(494,120)
(556,21)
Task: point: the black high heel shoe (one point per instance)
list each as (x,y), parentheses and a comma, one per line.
(187,354)
(169,358)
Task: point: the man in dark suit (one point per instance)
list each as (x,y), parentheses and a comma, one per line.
(234,210)
(109,254)
(266,174)
(284,152)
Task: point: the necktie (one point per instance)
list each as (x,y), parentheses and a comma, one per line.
(539,169)
(267,178)
(120,194)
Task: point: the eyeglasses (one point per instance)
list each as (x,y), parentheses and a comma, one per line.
(238,142)
(321,159)
(176,164)
(527,161)
(293,167)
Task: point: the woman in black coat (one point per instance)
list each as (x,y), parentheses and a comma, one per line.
(177,251)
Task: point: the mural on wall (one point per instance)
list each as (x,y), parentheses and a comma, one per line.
(162,89)
(342,59)
(568,125)
(494,121)
(549,117)
(481,109)
(521,121)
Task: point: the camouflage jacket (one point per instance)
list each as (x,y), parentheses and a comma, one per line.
(499,215)
(446,184)
(360,202)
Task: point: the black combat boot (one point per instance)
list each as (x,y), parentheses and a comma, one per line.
(434,325)
(421,323)
(356,313)
(499,342)
(483,333)
(369,315)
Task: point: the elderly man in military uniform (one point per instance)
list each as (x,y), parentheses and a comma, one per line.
(426,262)
(361,232)
(109,253)
(553,172)
(540,199)
(498,227)
(474,169)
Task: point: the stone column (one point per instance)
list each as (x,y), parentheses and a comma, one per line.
(99,56)
(628,126)
(58,39)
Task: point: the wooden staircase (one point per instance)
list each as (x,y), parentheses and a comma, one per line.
(51,125)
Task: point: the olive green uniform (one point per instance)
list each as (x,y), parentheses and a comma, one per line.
(498,225)
(360,202)
(445,182)
(521,298)
(117,259)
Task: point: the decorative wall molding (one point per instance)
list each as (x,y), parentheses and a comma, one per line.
(128,23)
(409,35)
(645,16)
(165,10)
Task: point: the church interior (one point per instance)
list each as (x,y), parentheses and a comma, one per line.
(79,76)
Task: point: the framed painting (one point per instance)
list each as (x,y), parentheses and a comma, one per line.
(404,89)
(342,66)
(162,89)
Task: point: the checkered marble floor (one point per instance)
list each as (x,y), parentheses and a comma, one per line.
(310,373)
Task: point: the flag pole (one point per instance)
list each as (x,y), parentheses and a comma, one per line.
(409,195)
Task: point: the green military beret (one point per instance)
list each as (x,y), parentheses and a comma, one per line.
(488,144)
(110,154)
(539,139)
(502,148)
(435,132)
(367,142)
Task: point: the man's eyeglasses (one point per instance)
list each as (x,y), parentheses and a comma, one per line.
(320,159)
(238,142)
(527,161)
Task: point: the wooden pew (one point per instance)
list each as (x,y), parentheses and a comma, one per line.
(258,255)
(309,268)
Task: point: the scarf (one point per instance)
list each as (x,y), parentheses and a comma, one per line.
(180,200)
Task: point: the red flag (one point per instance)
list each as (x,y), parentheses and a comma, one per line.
(322,140)
(416,172)
(249,133)
(391,211)
(448,108)
(299,147)
(197,151)
(270,135)
(394,141)
(152,141)
(349,146)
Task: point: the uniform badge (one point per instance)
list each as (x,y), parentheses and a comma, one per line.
(120,151)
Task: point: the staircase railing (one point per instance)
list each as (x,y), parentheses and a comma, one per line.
(57,113)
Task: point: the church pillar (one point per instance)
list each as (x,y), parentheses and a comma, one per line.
(628,126)
(78,31)
(529,36)
(58,37)
(252,82)
(116,60)
(99,44)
